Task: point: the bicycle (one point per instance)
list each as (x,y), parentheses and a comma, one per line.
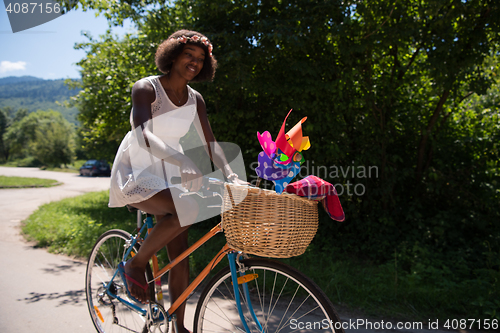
(250,295)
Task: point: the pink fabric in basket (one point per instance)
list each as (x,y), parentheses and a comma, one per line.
(316,188)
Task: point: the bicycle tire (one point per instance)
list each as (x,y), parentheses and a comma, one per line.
(108,314)
(284,300)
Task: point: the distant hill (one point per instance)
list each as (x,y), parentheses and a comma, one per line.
(34,94)
(18,79)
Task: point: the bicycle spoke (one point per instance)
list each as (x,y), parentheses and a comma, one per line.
(225,318)
(288,307)
(277,299)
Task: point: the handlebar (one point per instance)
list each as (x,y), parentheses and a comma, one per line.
(205,182)
(205,191)
(211,188)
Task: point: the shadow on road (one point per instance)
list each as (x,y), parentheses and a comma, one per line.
(71,297)
(57,269)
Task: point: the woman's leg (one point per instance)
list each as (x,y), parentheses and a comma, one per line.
(167,228)
(178,277)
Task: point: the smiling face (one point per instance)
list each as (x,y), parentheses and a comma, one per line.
(190,62)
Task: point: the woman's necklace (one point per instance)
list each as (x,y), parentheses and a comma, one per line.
(173,92)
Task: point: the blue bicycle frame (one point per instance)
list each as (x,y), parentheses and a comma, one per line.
(234,278)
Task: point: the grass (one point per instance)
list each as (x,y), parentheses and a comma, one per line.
(71,168)
(24,182)
(72,225)
(31,162)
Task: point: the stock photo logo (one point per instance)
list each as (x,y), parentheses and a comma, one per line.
(26,14)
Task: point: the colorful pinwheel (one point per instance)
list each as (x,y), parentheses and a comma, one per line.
(280,160)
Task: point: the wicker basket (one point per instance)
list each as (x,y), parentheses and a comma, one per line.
(268,224)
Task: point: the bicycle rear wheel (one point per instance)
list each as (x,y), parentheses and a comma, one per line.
(109,314)
(283,299)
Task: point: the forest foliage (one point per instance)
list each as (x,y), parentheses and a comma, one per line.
(44,138)
(35,94)
(411,88)
(37,125)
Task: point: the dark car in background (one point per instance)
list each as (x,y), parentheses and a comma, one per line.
(95,168)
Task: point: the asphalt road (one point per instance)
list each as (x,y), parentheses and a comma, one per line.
(44,292)
(40,291)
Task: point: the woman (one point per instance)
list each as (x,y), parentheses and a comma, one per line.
(164,107)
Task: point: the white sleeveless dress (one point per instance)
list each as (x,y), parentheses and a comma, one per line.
(137,175)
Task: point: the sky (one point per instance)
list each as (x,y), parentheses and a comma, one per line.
(47,51)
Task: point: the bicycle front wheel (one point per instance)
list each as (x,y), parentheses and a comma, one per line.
(108,313)
(283,300)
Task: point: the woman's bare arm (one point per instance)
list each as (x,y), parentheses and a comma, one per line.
(204,129)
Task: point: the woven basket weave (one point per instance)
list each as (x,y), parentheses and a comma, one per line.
(268,224)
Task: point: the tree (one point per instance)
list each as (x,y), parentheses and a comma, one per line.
(44,135)
(7,117)
(4,123)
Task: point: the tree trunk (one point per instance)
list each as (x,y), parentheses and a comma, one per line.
(422,148)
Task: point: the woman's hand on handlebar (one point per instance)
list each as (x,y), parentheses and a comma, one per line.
(234,179)
(191,176)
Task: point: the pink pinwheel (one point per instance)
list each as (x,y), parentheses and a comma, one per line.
(267,143)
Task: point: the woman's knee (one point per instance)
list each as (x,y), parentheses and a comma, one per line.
(187,210)
(159,204)
(168,203)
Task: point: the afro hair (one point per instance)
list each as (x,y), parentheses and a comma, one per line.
(171,48)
